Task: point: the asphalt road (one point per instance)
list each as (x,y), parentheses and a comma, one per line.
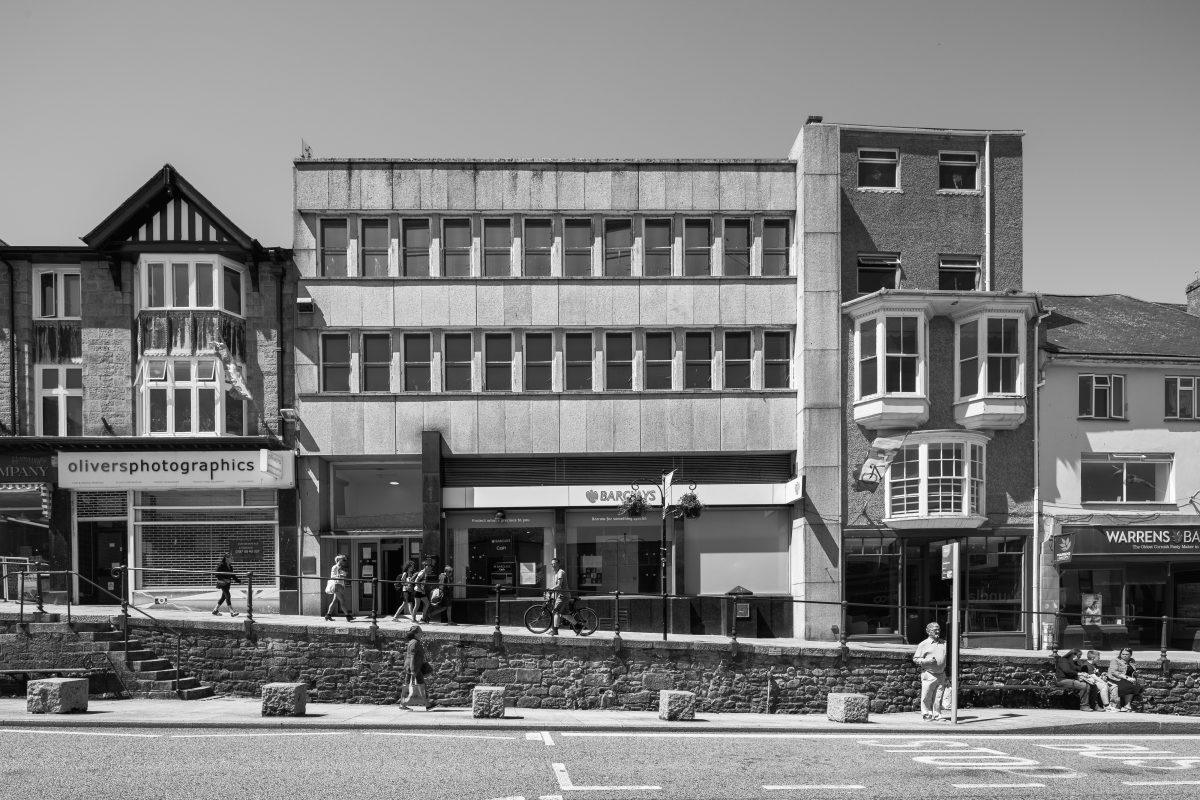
(63,763)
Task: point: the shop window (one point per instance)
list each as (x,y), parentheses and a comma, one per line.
(990,363)
(937,480)
(872,581)
(497,367)
(505,557)
(418,370)
(958,172)
(878,169)
(56,293)
(414,240)
(878,272)
(538,244)
(1181,398)
(697,247)
(957,274)
(188,396)
(697,367)
(618,247)
(539,362)
(1102,396)
(1125,478)
(777,247)
(618,362)
(335,362)
(376,241)
(376,372)
(756,557)
(456,362)
(659,357)
(497,248)
(994,566)
(777,360)
(658,241)
(578,362)
(456,248)
(369,496)
(737,359)
(195,284)
(737,247)
(334,245)
(60,400)
(577,248)
(602,555)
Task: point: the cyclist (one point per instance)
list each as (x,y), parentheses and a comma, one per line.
(560,595)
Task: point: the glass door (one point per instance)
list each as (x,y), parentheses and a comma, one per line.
(926,594)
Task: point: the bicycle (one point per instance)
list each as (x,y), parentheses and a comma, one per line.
(540,617)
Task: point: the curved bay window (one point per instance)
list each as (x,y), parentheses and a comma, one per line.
(937,479)
(187,397)
(191,282)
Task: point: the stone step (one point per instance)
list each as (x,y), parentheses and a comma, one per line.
(149,663)
(43,628)
(163,686)
(134,644)
(197,693)
(157,674)
(140,655)
(105,635)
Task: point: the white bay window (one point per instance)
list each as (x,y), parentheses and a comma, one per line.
(187,397)
(937,479)
(890,371)
(191,282)
(990,371)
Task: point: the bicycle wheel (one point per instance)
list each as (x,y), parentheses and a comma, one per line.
(538,618)
(587,620)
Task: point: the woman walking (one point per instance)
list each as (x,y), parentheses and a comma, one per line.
(420,590)
(339,576)
(404,582)
(415,670)
(225,577)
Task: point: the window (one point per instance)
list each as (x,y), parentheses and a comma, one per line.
(231,299)
(958,171)
(937,478)
(539,240)
(991,361)
(187,396)
(777,360)
(497,367)
(414,258)
(1125,478)
(1181,398)
(335,362)
(375,243)
(456,362)
(878,169)
(697,367)
(618,247)
(697,247)
(889,355)
(539,362)
(417,363)
(179,283)
(737,359)
(958,274)
(618,361)
(578,362)
(878,272)
(1102,396)
(777,247)
(56,294)
(497,248)
(60,400)
(376,362)
(737,247)
(868,360)
(659,356)
(577,248)
(658,248)
(456,248)
(333,248)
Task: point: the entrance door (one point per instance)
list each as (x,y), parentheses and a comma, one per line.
(101,549)
(394,553)
(926,594)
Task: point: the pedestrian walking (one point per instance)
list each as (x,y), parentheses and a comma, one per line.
(421,590)
(931,658)
(339,578)
(442,597)
(404,582)
(415,670)
(1066,671)
(225,578)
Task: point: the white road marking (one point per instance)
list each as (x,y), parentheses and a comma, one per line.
(551,797)
(998,785)
(564,783)
(81,733)
(245,735)
(1161,783)
(540,736)
(438,735)
(859,737)
(784,788)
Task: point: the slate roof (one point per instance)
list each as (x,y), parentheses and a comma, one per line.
(1119,325)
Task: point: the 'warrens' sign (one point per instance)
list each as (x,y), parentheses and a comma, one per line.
(1134,540)
(202,469)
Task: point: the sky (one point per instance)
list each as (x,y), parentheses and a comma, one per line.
(96,96)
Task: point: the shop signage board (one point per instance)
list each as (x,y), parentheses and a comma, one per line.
(158,469)
(584,496)
(1126,540)
(28,468)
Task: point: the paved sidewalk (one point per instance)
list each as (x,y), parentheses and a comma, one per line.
(245,713)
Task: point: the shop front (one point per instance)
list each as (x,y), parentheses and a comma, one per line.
(30,532)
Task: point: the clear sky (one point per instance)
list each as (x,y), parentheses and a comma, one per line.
(95,96)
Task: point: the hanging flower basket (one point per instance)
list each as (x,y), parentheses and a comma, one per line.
(689,505)
(633,504)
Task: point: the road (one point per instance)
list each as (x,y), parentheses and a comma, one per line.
(66,763)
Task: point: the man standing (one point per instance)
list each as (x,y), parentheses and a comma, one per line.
(931,658)
(1066,669)
(560,596)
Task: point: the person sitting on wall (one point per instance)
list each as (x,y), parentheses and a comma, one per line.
(1066,671)
(931,658)
(1123,678)
(1091,674)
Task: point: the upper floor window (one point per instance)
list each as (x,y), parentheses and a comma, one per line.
(697,360)
(578,365)
(658,240)
(618,361)
(940,476)
(659,358)
(990,356)
(186,283)
(958,171)
(497,366)
(577,248)
(418,363)
(1181,398)
(618,247)
(414,242)
(878,169)
(59,400)
(539,362)
(376,240)
(335,362)
(877,272)
(777,359)
(737,359)
(188,396)
(777,247)
(737,247)
(334,245)
(376,362)
(890,355)
(497,248)
(1102,396)
(456,248)
(1125,477)
(456,362)
(958,274)
(539,243)
(697,247)
(56,293)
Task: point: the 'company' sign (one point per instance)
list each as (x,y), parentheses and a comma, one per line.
(201,469)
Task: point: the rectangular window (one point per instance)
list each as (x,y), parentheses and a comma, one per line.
(418,361)
(968,359)
(946,472)
(958,274)
(737,247)
(497,248)
(456,248)
(376,239)
(901,354)
(376,362)
(697,367)
(182,397)
(878,272)
(958,171)
(904,483)
(205,289)
(60,398)
(618,361)
(1112,478)
(538,242)
(333,248)
(777,247)
(414,258)
(497,366)
(659,357)
(618,247)
(539,362)
(737,359)
(456,362)
(1181,397)
(231,300)
(187,284)
(868,360)
(181,293)
(1102,396)
(1003,355)
(578,362)
(577,248)
(697,247)
(878,169)
(156,285)
(335,362)
(777,360)
(57,295)
(658,241)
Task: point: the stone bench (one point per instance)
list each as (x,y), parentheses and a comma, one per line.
(674,704)
(847,707)
(284,699)
(57,695)
(487,702)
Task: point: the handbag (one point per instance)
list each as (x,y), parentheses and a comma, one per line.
(436,596)
(331,586)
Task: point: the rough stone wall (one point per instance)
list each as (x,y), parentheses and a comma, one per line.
(107,338)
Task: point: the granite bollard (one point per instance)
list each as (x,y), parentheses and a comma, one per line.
(57,696)
(674,704)
(284,699)
(848,707)
(487,702)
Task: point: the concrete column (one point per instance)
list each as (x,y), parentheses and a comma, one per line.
(431,491)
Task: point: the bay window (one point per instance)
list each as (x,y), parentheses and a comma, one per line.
(937,479)
(188,397)
(991,371)
(890,371)
(187,282)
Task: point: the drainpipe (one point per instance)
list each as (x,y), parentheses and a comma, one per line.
(987,213)
(12,343)
(1038,383)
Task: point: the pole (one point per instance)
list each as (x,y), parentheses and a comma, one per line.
(954,637)
(662,568)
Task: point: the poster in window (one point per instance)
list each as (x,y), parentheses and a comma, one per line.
(1092,604)
(529,573)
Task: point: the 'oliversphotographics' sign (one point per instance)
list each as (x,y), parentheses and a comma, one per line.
(202,469)
(1131,540)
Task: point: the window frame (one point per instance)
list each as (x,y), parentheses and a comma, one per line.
(323,249)
(1194,389)
(985,356)
(504,251)
(725,251)
(690,250)
(364,252)
(60,292)
(488,363)
(658,250)
(220,265)
(622,256)
(222,392)
(877,263)
(688,362)
(970,493)
(1112,412)
(448,251)
(62,392)
(587,252)
(785,361)
(348,364)
(365,365)
(547,364)
(415,223)
(874,159)
(469,362)
(568,363)
(960,265)
(624,364)
(785,251)
(647,362)
(944,163)
(547,251)
(1125,459)
(747,363)
(878,322)
(408,364)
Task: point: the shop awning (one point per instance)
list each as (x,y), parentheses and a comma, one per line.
(1125,541)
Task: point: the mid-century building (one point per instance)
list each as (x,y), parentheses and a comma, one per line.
(141,382)
(1119,471)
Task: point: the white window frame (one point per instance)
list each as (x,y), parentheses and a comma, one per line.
(872,160)
(941,160)
(1112,411)
(879,325)
(195,385)
(59,291)
(1124,459)
(61,392)
(1193,385)
(960,264)
(972,492)
(877,261)
(982,354)
(168,260)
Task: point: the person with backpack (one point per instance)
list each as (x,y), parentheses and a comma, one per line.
(420,583)
(442,597)
(404,582)
(225,578)
(415,670)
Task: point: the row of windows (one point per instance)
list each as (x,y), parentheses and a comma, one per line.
(879,168)
(460,247)
(882,271)
(1103,397)
(571,361)
(174,282)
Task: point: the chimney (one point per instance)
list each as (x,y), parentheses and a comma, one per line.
(1193,297)
(814,120)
